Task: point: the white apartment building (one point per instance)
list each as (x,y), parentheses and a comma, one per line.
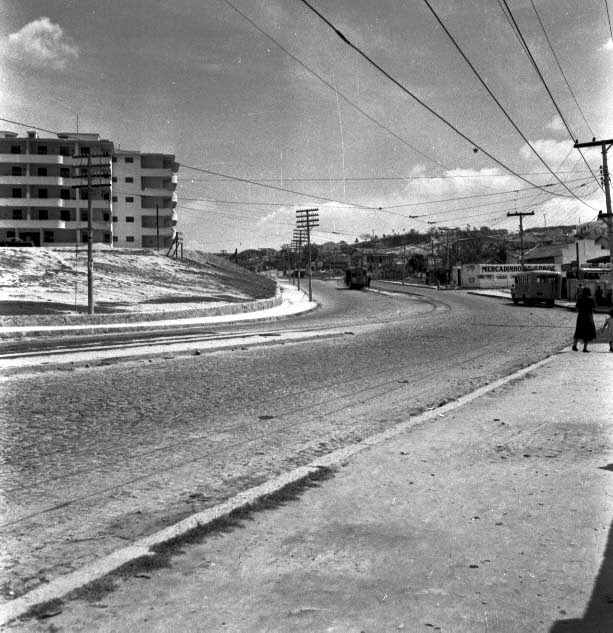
(144,199)
(44,192)
(41,195)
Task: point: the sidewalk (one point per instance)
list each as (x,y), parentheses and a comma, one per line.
(289,302)
(490,514)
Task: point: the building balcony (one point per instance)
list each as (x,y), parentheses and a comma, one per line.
(155,172)
(43,203)
(40,159)
(34,224)
(45,181)
(82,225)
(158,192)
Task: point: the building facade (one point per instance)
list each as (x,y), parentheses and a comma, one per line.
(43,188)
(144,199)
(46,190)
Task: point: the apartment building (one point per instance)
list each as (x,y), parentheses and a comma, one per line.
(44,191)
(43,188)
(144,199)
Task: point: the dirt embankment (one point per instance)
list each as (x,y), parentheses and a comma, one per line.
(53,281)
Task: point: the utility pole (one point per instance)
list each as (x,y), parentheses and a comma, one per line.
(446,229)
(157,227)
(521,215)
(103,175)
(307,219)
(608,216)
(297,243)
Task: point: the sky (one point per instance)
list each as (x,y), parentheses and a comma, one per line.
(429,114)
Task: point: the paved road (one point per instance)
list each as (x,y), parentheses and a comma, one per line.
(93,457)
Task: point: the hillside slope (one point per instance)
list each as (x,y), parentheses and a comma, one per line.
(54,281)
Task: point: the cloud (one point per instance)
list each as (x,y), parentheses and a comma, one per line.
(552,152)
(40,43)
(556,124)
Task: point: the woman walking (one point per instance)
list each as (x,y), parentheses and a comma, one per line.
(585,329)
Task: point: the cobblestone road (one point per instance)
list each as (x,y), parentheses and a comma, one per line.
(92,458)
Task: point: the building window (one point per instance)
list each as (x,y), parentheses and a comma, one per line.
(115,238)
(17,214)
(83,216)
(129,159)
(105,196)
(84,172)
(129,199)
(16,171)
(64,150)
(114,198)
(15,149)
(10,234)
(84,194)
(107,238)
(85,151)
(42,171)
(114,160)
(65,194)
(130,238)
(114,179)
(65,215)
(129,218)
(42,193)
(48,236)
(114,218)
(16,192)
(106,217)
(43,214)
(64,172)
(42,149)
(129,179)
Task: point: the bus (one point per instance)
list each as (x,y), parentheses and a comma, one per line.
(357,277)
(537,286)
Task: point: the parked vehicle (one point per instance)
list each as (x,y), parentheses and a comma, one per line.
(357,277)
(15,241)
(537,286)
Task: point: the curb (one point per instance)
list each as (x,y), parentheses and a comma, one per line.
(63,585)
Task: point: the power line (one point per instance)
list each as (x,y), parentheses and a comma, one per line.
(267,186)
(496,101)
(540,75)
(561,70)
(606,6)
(333,88)
(360,52)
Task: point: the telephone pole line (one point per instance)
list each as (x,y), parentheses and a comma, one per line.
(307,219)
(521,215)
(104,175)
(608,216)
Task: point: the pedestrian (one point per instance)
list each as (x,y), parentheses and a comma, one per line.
(607,330)
(599,296)
(579,291)
(585,329)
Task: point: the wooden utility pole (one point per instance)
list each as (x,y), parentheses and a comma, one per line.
(521,215)
(608,216)
(297,243)
(104,176)
(307,219)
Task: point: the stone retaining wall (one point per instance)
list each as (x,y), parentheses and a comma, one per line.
(137,317)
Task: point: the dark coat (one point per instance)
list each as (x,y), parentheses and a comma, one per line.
(585,329)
